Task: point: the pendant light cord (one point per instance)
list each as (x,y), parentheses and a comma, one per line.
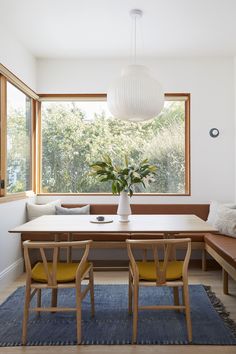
(135,38)
(135,14)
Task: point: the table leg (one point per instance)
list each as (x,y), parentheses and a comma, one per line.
(69,250)
(225,282)
(54,291)
(176,295)
(54,298)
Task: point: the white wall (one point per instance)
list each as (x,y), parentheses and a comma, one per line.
(12,214)
(235,117)
(211,84)
(16,58)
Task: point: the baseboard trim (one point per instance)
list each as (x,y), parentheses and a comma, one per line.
(11,273)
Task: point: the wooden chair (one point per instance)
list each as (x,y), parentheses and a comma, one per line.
(55,275)
(168,272)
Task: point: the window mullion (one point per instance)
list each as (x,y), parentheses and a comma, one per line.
(187,146)
(33,144)
(3,135)
(38,152)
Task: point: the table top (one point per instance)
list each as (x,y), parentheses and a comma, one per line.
(138,223)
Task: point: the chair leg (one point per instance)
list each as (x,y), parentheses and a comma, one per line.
(204,262)
(225,282)
(39,298)
(135,314)
(69,249)
(91,285)
(187,312)
(78,313)
(54,298)
(130,294)
(26,313)
(183,301)
(176,295)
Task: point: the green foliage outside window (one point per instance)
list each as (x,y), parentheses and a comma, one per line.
(18,141)
(71,143)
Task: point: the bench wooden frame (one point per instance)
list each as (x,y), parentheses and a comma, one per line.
(227,269)
(200,210)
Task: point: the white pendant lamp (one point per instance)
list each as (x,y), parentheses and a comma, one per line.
(135,96)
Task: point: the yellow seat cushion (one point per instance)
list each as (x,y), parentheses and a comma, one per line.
(65,272)
(147,270)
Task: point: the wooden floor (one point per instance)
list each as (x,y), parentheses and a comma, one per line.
(196,276)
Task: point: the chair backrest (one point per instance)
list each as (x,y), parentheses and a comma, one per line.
(167,248)
(51,272)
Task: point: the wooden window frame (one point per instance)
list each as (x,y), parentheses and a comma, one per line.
(3,134)
(36,139)
(8,76)
(91,97)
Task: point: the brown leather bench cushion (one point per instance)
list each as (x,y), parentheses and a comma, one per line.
(225,246)
(105,237)
(200,210)
(113,237)
(194,237)
(41,236)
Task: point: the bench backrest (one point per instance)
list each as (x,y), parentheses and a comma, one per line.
(200,210)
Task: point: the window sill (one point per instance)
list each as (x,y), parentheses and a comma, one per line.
(16,196)
(187,194)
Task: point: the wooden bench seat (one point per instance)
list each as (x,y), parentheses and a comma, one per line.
(220,247)
(223,249)
(100,240)
(225,246)
(195,237)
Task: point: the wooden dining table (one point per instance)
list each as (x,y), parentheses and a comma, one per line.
(87,224)
(113,233)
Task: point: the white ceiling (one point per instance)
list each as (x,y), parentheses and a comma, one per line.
(102,28)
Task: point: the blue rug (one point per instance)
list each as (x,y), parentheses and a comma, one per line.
(113,325)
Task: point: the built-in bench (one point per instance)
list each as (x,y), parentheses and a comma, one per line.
(220,247)
(200,210)
(223,249)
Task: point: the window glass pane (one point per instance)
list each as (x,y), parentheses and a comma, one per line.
(76,134)
(18,140)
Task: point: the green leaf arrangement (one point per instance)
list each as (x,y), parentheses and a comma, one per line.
(125,176)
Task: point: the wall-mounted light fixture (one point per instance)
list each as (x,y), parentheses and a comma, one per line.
(214,132)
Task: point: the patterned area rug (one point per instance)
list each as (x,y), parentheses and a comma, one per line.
(113,325)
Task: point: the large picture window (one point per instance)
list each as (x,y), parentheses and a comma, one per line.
(18,111)
(19,117)
(77,132)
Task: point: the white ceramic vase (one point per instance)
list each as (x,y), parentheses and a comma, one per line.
(124,209)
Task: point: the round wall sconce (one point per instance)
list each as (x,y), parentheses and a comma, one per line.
(214,132)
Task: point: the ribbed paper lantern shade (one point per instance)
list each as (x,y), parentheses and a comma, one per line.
(135,96)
